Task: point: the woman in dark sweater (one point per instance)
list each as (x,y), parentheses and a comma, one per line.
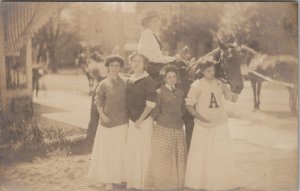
(169,152)
(140,101)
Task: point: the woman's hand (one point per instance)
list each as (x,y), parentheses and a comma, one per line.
(138,124)
(201,118)
(205,122)
(178,58)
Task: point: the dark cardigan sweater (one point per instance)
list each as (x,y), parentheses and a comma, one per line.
(138,93)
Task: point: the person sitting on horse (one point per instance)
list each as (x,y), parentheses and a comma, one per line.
(150,46)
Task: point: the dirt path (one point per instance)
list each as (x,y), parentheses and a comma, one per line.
(260,168)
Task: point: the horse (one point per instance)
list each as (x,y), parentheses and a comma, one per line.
(227,70)
(281,68)
(92,68)
(97,70)
(227,59)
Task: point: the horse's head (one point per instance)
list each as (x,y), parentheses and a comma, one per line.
(228,67)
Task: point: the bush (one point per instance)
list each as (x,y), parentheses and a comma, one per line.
(23,135)
(26,139)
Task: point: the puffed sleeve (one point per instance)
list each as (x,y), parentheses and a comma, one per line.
(227,92)
(100,96)
(151,93)
(156,111)
(193,95)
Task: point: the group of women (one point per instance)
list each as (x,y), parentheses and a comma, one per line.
(141,141)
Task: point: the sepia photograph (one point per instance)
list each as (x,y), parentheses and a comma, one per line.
(149,96)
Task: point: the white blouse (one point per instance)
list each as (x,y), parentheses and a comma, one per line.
(149,47)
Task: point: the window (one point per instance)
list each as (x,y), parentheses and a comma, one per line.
(16,70)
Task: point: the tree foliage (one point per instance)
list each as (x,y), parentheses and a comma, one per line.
(59,39)
(266,27)
(194,25)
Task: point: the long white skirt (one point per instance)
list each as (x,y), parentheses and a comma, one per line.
(211,161)
(108,156)
(138,153)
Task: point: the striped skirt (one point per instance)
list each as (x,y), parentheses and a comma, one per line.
(167,159)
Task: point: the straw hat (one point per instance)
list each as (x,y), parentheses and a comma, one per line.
(148,15)
(205,63)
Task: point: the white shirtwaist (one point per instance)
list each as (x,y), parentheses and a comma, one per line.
(149,47)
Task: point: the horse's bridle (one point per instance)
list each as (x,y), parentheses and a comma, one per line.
(221,61)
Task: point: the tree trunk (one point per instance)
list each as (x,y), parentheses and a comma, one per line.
(41,47)
(52,60)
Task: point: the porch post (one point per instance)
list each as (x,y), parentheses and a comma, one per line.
(2,70)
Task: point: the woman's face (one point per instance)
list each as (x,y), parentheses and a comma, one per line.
(137,64)
(209,73)
(114,67)
(155,22)
(171,78)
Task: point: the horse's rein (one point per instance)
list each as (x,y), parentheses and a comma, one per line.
(225,80)
(187,63)
(221,60)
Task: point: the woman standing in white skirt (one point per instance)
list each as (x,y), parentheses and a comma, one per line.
(141,97)
(108,156)
(211,161)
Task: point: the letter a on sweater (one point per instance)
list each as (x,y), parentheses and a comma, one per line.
(213,100)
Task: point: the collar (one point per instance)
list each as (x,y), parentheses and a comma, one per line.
(169,86)
(116,79)
(214,81)
(133,78)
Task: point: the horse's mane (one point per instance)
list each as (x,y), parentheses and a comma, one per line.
(214,55)
(210,56)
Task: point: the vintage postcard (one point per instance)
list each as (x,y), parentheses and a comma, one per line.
(99,96)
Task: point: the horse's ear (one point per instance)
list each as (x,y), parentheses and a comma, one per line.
(221,44)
